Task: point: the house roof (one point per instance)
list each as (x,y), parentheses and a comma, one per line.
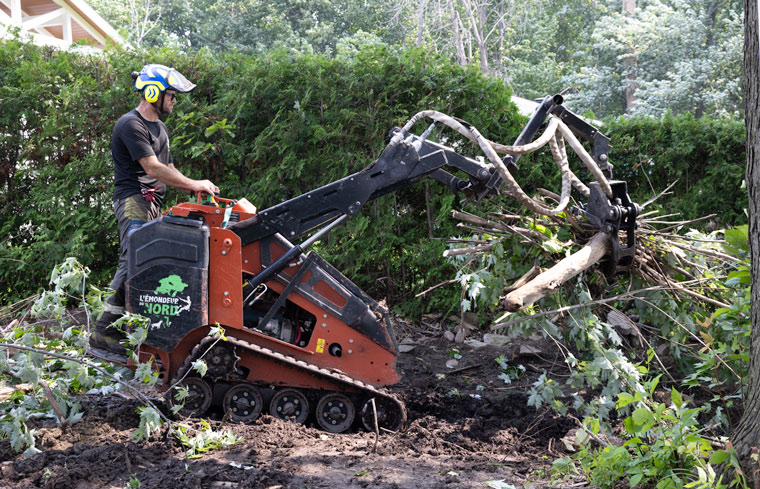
(58,22)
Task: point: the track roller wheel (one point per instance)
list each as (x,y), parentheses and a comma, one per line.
(243,402)
(290,405)
(335,413)
(198,398)
(389,415)
(220,360)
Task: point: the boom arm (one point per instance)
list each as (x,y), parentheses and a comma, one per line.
(411,158)
(399,165)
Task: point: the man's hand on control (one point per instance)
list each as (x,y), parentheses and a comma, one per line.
(205,186)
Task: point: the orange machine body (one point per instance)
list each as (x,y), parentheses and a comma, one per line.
(321,294)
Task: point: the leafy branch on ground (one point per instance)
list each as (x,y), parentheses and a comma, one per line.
(678,323)
(49,357)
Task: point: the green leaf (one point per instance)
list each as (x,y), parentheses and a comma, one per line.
(642,417)
(150,420)
(655,382)
(581,437)
(200,367)
(217,331)
(633,442)
(624,399)
(718,457)
(738,237)
(636,479)
(593,424)
(676,398)
(553,246)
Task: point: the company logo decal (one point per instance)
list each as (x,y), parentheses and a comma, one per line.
(164,304)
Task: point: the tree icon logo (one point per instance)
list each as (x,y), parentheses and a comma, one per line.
(171,285)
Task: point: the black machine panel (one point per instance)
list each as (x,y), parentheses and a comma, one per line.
(168,269)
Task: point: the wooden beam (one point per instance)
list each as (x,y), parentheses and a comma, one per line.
(43,32)
(70,11)
(16,12)
(67,28)
(5,18)
(88,18)
(51,18)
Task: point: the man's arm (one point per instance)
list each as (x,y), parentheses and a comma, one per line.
(169,175)
(183,189)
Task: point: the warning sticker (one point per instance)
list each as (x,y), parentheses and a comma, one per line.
(320,345)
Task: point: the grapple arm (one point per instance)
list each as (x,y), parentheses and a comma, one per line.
(410,158)
(399,165)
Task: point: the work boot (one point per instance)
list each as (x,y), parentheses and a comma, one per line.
(103,337)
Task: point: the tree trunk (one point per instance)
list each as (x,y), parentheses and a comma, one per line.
(429,212)
(420,21)
(629,7)
(461,58)
(141,21)
(500,44)
(477,15)
(548,281)
(711,18)
(483,39)
(746,436)
(468,37)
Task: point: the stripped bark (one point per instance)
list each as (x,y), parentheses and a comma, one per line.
(560,273)
(520,282)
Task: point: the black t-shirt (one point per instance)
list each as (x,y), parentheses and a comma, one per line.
(134,138)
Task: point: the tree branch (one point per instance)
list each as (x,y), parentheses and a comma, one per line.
(547,282)
(136,392)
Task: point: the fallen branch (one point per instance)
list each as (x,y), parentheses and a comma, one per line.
(447,282)
(473,219)
(704,251)
(631,294)
(139,395)
(685,290)
(463,369)
(529,275)
(486,226)
(678,236)
(54,404)
(505,217)
(526,234)
(661,194)
(547,282)
(469,251)
(589,432)
(684,223)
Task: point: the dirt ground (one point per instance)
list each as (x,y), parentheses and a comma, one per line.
(459,435)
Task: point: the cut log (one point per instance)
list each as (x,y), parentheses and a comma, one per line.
(547,282)
(530,275)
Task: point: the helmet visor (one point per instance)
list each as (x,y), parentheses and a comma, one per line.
(179,82)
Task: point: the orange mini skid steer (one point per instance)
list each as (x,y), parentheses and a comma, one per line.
(305,337)
(300,338)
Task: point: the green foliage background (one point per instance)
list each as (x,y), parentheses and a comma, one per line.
(705,158)
(273,126)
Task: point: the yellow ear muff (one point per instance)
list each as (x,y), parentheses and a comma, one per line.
(151,93)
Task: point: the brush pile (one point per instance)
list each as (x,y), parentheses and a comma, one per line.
(682,264)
